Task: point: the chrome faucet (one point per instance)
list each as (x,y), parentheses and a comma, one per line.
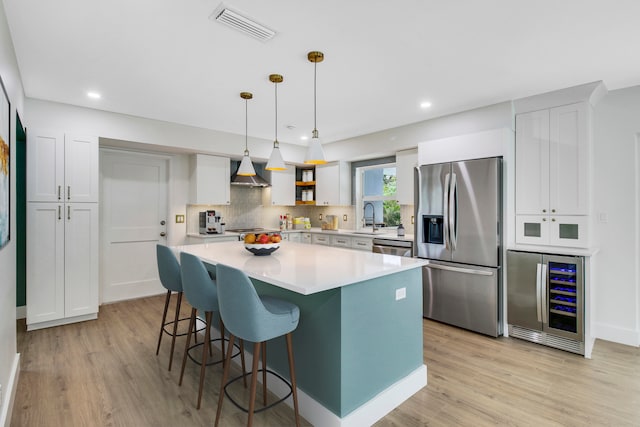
(373,216)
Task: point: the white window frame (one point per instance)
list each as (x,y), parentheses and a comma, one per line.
(361,200)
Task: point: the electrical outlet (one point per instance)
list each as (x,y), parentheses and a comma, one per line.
(344,217)
(179,219)
(401,293)
(411,219)
(320,217)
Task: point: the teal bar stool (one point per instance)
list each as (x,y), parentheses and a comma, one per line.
(169,272)
(258,319)
(202,294)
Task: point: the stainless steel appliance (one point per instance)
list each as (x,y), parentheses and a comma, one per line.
(545,299)
(210,223)
(392,247)
(458,228)
(242,232)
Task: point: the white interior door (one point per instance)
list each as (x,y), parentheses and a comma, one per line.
(133,217)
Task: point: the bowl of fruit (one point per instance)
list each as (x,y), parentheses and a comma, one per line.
(262,244)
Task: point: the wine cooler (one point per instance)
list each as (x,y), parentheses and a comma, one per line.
(546,299)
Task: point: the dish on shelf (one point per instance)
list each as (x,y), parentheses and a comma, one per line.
(261,249)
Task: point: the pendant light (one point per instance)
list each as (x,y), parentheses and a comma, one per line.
(315,153)
(246,166)
(275,162)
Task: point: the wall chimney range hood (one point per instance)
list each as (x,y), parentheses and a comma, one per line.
(249,181)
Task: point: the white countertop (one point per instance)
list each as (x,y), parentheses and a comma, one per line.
(352,233)
(554,250)
(303,268)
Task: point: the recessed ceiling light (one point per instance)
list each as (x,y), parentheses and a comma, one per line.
(425,104)
(94,95)
(304,137)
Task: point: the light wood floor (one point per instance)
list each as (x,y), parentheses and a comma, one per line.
(106,373)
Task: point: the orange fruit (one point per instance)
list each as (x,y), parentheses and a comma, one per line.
(250,238)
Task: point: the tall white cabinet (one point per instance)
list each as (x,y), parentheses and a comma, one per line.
(553,164)
(62,228)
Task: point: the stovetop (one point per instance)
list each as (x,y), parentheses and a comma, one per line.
(245,230)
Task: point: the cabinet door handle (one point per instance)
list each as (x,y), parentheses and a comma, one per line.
(69,213)
(544,211)
(553,220)
(544,219)
(162,233)
(69,192)
(553,211)
(59,212)
(59,192)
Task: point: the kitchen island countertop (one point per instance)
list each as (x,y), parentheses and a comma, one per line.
(302,268)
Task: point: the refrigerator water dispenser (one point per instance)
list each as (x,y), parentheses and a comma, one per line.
(433,229)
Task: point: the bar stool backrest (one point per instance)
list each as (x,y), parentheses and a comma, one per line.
(198,287)
(241,310)
(168,269)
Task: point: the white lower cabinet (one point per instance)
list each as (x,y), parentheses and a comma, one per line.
(321,239)
(341,241)
(62,263)
(568,231)
(362,243)
(305,238)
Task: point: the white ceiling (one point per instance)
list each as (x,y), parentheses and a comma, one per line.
(166,60)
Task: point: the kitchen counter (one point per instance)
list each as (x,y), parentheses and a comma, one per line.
(354,233)
(358,346)
(214,236)
(304,269)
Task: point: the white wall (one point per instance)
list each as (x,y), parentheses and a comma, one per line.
(616,145)
(8,357)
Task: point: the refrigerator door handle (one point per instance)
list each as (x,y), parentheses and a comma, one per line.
(543,294)
(538,292)
(453,212)
(445,205)
(460,270)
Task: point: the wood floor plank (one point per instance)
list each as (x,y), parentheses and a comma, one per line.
(106,373)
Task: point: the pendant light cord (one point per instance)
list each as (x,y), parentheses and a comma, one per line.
(315,102)
(276,124)
(246,124)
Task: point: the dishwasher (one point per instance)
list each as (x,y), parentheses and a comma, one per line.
(392,247)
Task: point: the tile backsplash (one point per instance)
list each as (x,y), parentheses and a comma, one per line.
(246,210)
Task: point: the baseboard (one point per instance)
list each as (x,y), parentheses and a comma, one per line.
(616,334)
(9,393)
(21,312)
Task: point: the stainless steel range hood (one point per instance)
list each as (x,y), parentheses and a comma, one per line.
(249,181)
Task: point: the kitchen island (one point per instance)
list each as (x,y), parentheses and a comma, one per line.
(358,346)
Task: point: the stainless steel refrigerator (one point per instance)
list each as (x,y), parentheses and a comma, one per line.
(458,228)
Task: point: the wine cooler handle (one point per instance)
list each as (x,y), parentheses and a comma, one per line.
(544,283)
(538,293)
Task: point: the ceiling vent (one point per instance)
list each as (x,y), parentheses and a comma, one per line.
(242,23)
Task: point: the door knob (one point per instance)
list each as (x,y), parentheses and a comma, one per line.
(162,233)
(163,222)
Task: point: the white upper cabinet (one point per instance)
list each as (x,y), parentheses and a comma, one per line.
(406,162)
(81,169)
(552,161)
(569,160)
(210,180)
(283,187)
(333,184)
(552,176)
(532,163)
(62,168)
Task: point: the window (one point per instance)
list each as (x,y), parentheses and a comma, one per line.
(376,196)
